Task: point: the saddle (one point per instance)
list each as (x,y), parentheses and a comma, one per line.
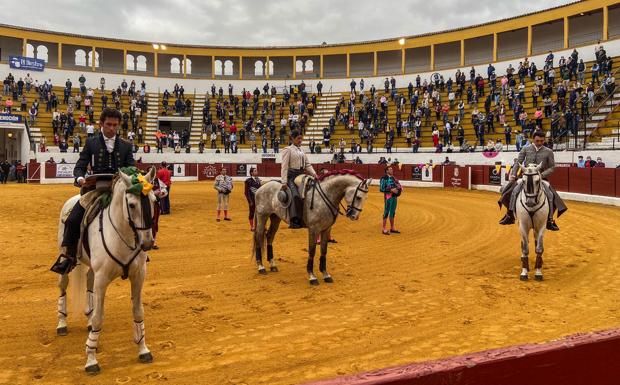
(95,196)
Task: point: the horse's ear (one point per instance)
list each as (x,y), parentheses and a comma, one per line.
(539,166)
(126,178)
(151,175)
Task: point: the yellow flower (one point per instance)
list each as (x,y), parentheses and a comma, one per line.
(146,186)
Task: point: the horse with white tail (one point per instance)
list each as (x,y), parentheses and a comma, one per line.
(118,239)
(532,211)
(320,210)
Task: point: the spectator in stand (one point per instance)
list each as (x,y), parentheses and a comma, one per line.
(590,162)
(164,175)
(599,162)
(580,162)
(223,185)
(146,148)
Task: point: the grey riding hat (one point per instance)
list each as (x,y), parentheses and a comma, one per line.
(284,198)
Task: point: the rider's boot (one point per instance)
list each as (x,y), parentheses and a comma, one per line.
(551,225)
(66,261)
(508,219)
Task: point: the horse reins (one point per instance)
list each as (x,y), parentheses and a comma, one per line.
(148,225)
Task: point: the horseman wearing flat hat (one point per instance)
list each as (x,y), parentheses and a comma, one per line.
(105,153)
(295,163)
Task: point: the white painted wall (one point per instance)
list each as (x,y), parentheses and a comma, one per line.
(154,84)
(611,158)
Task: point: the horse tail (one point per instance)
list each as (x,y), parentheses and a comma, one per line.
(78,282)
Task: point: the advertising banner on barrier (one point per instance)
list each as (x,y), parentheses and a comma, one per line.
(416,172)
(427,173)
(457,176)
(495,174)
(26,63)
(241,169)
(64,170)
(10,118)
(207,171)
(178,169)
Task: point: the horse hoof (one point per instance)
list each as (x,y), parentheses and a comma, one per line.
(328,279)
(273,269)
(314,282)
(146,358)
(262,272)
(62,331)
(93,369)
(538,278)
(523,277)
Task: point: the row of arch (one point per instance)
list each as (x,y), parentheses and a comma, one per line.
(139,63)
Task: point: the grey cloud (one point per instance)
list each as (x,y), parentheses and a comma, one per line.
(261,23)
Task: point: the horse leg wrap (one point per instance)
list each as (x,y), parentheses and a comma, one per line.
(259,255)
(90,298)
(92,342)
(323,264)
(525,263)
(138,331)
(539,262)
(269,252)
(310,266)
(62,306)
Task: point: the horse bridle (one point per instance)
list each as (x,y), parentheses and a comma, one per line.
(351,207)
(148,225)
(335,210)
(535,196)
(530,180)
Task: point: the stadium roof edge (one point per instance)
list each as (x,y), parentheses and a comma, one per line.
(177,45)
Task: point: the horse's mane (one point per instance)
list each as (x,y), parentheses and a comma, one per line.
(356,174)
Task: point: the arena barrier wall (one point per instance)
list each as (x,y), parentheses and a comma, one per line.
(603,182)
(574,360)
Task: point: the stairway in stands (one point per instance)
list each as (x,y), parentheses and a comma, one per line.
(324,110)
(604,125)
(152,99)
(196,127)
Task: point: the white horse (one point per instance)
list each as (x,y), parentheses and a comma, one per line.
(119,238)
(532,211)
(320,210)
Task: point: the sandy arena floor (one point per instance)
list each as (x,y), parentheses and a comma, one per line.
(447,285)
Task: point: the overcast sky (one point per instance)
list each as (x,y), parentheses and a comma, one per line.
(260,22)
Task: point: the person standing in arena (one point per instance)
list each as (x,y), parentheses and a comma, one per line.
(165,176)
(105,153)
(391,189)
(251,185)
(223,185)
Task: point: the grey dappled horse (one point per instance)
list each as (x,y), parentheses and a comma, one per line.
(320,210)
(119,238)
(532,211)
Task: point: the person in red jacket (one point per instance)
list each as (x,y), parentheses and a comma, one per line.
(163,173)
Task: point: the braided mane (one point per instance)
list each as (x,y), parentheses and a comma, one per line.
(320,177)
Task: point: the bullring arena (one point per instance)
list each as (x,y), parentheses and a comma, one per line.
(438,290)
(440,299)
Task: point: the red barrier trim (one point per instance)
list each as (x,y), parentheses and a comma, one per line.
(578,359)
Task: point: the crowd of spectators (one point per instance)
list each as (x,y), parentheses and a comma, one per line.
(561,95)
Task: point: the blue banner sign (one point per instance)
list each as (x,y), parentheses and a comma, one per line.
(26,63)
(10,118)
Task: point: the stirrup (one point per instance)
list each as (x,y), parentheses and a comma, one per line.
(507,220)
(63,266)
(551,225)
